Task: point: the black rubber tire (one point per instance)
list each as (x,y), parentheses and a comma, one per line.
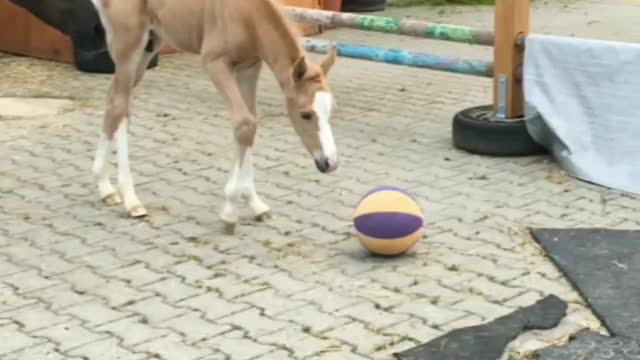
(363,5)
(99,62)
(475,131)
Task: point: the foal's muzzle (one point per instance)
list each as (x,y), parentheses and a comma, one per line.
(325,165)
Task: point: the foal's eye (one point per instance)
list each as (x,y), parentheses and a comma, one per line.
(307,115)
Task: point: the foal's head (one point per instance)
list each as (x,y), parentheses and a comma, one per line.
(311,107)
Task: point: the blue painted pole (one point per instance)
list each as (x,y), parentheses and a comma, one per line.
(402,57)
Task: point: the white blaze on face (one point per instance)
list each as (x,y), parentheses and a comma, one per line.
(323,105)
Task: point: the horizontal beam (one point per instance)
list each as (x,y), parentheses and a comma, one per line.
(402,57)
(447,32)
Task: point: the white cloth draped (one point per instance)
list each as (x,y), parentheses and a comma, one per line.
(587,93)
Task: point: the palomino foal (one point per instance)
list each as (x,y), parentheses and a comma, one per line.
(233,39)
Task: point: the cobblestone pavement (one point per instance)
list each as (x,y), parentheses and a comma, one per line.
(83,281)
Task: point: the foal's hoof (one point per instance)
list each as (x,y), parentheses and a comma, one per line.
(112,199)
(265,216)
(229,228)
(138,211)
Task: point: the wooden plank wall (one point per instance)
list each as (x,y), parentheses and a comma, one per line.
(24,34)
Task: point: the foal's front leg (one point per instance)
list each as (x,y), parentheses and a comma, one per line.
(241,186)
(248,84)
(241,183)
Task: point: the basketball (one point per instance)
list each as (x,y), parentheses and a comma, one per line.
(388,221)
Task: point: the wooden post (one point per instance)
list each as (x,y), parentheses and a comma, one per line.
(511,20)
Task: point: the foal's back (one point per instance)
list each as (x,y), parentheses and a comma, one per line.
(187,24)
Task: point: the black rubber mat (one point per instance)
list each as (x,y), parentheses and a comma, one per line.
(488,341)
(589,345)
(604,266)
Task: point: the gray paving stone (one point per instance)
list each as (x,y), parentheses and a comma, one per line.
(107,349)
(117,293)
(50,264)
(35,317)
(72,248)
(479,306)
(386,353)
(275,355)
(43,351)
(7,268)
(469,320)
(155,310)
(69,335)
(137,275)
(173,290)
(492,290)
(375,319)
(312,320)
(60,297)
(433,314)
(338,355)
(253,322)
(230,287)
(22,251)
(192,272)
(236,346)
(14,339)
(299,343)
(102,260)
(194,328)
(94,313)
(133,330)
(365,341)
(328,300)
(30,281)
(416,329)
(212,305)
(270,303)
(172,347)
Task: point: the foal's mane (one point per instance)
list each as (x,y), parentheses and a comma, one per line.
(279,23)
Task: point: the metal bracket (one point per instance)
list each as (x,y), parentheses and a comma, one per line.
(502,97)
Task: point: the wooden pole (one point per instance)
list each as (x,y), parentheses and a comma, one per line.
(511,21)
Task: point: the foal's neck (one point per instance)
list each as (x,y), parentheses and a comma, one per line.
(279,45)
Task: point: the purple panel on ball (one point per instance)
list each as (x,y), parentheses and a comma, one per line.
(387,225)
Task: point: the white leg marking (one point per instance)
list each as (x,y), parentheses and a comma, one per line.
(247,185)
(241,186)
(100,170)
(125,180)
(229,211)
(323,106)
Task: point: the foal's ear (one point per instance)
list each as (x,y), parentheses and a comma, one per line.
(330,59)
(299,69)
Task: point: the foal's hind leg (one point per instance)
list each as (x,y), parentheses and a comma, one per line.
(127,51)
(100,168)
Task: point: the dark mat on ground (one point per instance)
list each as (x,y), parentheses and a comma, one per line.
(604,266)
(590,345)
(488,341)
